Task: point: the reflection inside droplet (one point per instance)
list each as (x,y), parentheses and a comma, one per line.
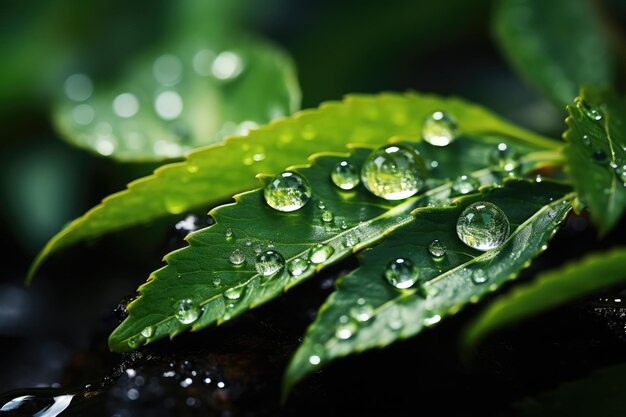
(126,105)
(168,105)
(227,65)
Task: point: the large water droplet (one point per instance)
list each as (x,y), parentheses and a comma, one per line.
(465,184)
(135,341)
(126,105)
(394,172)
(187,311)
(482,226)
(345,175)
(589,111)
(439,129)
(237,257)
(504,157)
(147,331)
(401,273)
(437,248)
(288,191)
(320,253)
(269,262)
(227,65)
(233,293)
(297,267)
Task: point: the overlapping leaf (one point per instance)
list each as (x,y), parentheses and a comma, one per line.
(596,154)
(550,290)
(203,271)
(557,47)
(367,312)
(201,180)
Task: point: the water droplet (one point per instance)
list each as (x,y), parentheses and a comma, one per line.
(270,244)
(237,257)
(258,248)
(599,155)
(320,253)
(217,281)
(288,191)
(432,320)
(228,233)
(479,276)
(344,225)
(321,205)
(248,242)
(345,330)
(297,267)
(168,105)
(83,114)
(345,175)
(147,332)
(233,293)
(167,69)
(269,263)
(126,105)
(590,112)
(586,140)
(187,311)
(393,172)
(203,61)
(504,157)
(401,273)
(327,216)
(362,313)
(135,341)
(439,129)
(315,360)
(465,184)
(350,240)
(437,248)
(482,226)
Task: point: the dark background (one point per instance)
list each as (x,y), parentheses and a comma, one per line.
(53,333)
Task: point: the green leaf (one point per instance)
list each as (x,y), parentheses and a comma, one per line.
(186,96)
(599,394)
(550,290)
(378,314)
(200,181)
(556,48)
(203,272)
(596,153)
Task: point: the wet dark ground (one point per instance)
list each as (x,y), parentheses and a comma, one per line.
(53,336)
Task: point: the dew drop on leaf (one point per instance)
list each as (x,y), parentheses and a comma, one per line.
(269,262)
(393,172)
(586,140)
(345,330)
(482,226)
(228,233)
(147,331)
(237,257)
(439,129)
(401,273)
(345,175)
(437,249)
(327,216)
(135,341)
(362,313)
(297,267)
(320,253)
(187,311)
(599,155)
(465,184)
(504,157)
(479,276)
(288,191)
(233,293)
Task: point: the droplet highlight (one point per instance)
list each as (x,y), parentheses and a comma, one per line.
(320,253)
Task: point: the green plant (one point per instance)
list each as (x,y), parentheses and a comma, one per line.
(395,177)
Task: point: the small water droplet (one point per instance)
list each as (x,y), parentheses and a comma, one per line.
(135,341)
(237,257)
(483,226)
(320,253)
(599,155)
(227,65)
(288,191)
(432,320)
(233,293)
(248,242)
(586,140)
(465,184)
(345,175)
(187,312)
(345,330)
(479,276)
(327,216)
(321,205)
(78,87)
(362,313)
(168,105)
(504,157)
(315,360)
(589,111)
(437,248)
(401,273)
(297,267)
(126,105)
(350,240)
(269,263)
(147,332)
(439,129)
(216,281)
(228,233)
(270,244)
(393,172)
